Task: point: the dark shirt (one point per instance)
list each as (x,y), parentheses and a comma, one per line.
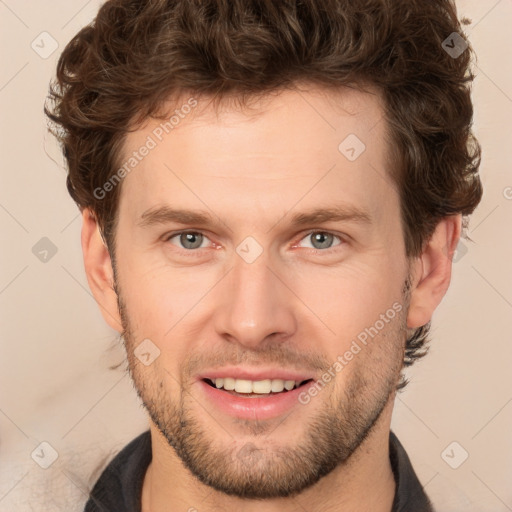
(119,487)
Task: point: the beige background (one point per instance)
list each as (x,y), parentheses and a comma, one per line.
(55,381)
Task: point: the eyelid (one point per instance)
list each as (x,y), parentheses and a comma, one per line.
(340,237)
(167,237)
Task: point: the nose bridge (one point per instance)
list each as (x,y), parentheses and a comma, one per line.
(254,303)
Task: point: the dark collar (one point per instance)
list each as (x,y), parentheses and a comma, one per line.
(409,494)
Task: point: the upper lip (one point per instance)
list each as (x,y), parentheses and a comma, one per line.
(255,374)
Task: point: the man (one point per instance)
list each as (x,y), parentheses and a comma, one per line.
(272,193)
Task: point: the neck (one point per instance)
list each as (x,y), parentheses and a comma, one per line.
(364,484)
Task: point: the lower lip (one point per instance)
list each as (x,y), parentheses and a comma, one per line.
(252,408)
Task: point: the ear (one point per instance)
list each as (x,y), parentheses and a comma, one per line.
(432,271)
(98,268)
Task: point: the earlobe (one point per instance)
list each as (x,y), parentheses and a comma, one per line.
(98,268)
(432,271)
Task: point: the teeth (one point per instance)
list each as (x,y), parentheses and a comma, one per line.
(243,386)
(262,387)
(277,385)
(229,384)
(290,384)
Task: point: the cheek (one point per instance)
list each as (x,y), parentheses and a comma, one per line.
(352,297)
(161,299)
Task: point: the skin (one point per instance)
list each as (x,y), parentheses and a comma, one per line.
(290,308)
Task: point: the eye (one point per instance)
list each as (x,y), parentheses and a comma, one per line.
(189,240)
(192,240)
(321,239)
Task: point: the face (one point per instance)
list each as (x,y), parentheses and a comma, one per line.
(223,264)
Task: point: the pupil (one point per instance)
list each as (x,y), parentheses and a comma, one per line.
(322,238)
(188,238)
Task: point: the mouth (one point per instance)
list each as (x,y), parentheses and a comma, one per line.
(255,389)
(255,393)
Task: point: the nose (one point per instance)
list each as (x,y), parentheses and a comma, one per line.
(254,305)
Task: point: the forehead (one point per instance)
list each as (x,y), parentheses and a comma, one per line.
(313,145)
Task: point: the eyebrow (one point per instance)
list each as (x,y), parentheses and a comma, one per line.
(341,213)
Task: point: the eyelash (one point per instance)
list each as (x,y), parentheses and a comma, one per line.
(311,250)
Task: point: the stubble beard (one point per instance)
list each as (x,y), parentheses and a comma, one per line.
(261,468)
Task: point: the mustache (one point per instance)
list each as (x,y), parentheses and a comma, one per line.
(274,355)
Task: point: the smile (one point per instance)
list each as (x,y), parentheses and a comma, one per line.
(254,400)
(250,387)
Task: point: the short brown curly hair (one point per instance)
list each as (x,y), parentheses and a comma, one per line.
(137,54)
